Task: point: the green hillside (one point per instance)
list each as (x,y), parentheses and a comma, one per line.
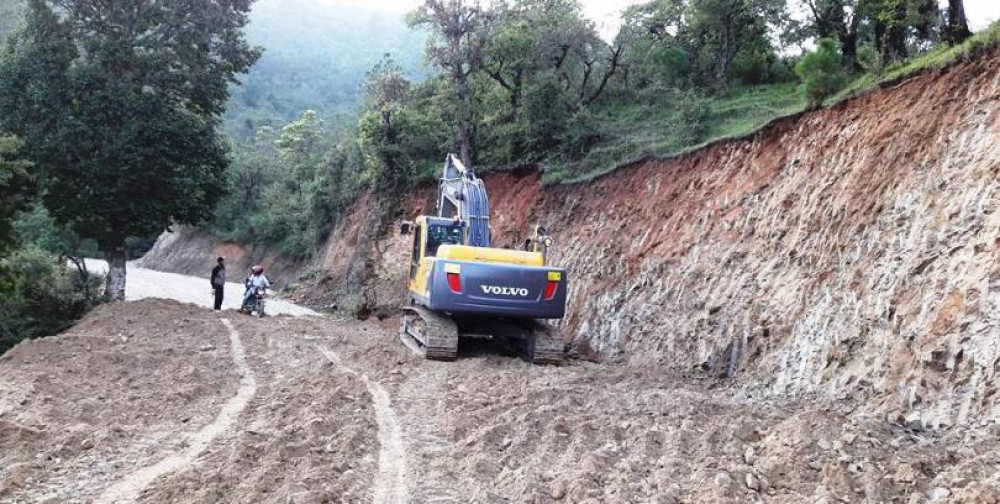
(10,15)
(315,58)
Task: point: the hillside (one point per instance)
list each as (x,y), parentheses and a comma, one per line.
(315,57)
(850,252)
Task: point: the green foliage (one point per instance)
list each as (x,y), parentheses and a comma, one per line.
(316,57)
(678,121)
(287,187)
(870,60)
(546,113)
(36,227)
(821,72)
(11,13)
(400,128)
(937,58)
(15,187)
(121,123)
(39,296)
(706,43)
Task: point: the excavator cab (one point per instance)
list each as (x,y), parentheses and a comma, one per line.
(460,285)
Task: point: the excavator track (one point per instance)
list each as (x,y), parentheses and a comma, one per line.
(429,334)
(544,344)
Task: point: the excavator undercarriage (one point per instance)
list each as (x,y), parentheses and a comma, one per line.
(435,336)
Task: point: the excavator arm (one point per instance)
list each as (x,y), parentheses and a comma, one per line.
(462,194)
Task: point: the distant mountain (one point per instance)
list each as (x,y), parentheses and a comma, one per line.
(316,57)
(10,16)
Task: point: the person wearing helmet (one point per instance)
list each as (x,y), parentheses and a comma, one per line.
(255,280)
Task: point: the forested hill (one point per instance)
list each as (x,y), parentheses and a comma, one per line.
(10,15)
(316,56)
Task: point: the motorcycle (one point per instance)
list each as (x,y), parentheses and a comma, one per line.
(256,304)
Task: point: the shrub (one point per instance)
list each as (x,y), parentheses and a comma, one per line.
(821,72)
(694,114)
(40,296)
(870,60)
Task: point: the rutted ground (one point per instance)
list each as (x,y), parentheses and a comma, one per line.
(129,385)
(135,383)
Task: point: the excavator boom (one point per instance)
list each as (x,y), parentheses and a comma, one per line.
(462,194)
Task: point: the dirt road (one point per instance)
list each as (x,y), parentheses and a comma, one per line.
(145,283)
(160,402)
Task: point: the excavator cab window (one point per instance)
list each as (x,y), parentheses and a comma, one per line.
(415,261)
(439,234)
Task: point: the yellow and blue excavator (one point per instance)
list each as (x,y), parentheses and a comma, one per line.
(461,286)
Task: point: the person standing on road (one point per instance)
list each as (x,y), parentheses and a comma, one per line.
(219,282)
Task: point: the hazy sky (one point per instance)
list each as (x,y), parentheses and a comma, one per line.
(605,12)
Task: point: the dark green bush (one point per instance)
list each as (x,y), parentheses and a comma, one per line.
(40,296)
(821,72)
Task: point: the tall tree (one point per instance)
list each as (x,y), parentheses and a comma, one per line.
(709,33)
(117,103)
(461,29)
(534,37)
(958,26)
(387,91)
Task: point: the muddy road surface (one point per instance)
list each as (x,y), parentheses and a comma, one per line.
(155,401)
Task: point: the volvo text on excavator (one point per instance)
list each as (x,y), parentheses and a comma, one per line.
(461,286)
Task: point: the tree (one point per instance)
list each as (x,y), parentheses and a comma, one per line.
(117,103)
(303,143)
(840,19)
(386,93)
(821,72)
(15,188)
(461,29)
(711,34)
(957,30)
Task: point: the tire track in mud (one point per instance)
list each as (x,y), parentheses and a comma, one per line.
(390,481)
(131,486)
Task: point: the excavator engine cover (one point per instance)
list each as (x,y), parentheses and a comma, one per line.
(511,290)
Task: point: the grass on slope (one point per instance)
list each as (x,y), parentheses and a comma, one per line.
(934,59)
(633,131)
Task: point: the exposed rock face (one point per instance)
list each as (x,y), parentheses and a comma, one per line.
(851,251)
(855,250)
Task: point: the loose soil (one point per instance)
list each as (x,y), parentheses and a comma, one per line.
(343,413)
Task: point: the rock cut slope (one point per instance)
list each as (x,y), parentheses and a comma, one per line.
(852,251)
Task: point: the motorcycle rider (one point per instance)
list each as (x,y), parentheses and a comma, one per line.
(256,280)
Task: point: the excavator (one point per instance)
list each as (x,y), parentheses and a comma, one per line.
(460,286)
